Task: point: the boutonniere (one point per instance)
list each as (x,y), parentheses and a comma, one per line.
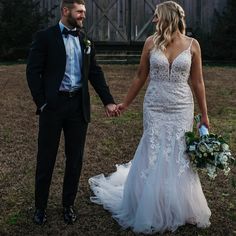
(87,44)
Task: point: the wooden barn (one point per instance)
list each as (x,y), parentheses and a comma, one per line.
(128,22)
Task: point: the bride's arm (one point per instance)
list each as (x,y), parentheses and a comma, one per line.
(198,83)
(140,76)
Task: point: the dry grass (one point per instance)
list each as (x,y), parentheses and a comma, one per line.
(109,141)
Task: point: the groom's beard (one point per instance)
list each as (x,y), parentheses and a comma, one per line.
(74,23)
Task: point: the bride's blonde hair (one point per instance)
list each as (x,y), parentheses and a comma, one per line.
(170,17)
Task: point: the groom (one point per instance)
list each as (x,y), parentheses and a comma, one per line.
(60,63)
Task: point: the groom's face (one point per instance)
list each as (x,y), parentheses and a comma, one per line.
(76,15)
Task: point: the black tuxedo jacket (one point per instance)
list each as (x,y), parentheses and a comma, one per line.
(46,68)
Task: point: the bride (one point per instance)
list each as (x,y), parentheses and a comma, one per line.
(158,190)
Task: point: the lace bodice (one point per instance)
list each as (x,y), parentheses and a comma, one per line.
(176,71)
(168,87)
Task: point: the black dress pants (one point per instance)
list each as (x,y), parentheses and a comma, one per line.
(66,116)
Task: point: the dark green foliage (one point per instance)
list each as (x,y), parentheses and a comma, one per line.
(221,43)
(224,39)
(18,22)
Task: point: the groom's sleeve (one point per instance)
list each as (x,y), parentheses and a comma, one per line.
(97,79)
(35,67)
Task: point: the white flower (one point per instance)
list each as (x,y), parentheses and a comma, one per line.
(212,175)
(216,154)
(87,50)
(216,146)
(210,150)
(225,147)
(192,148)
(87,44)
(202,147)
(228,153)
(211,171)
(221,155)
(226,171)
(224,158)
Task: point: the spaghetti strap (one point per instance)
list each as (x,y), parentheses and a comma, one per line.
(190,44)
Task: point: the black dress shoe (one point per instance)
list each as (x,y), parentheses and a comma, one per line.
(40,217)
(69,215)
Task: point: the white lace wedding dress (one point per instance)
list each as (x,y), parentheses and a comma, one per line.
(158,190)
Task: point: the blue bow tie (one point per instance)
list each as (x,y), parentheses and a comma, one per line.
(66,32)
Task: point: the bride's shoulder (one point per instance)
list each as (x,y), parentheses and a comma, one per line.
(195,46)
(192,41)
(149,43)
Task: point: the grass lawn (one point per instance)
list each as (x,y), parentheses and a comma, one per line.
(109,141)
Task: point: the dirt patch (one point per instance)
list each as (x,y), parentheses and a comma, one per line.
(109,141)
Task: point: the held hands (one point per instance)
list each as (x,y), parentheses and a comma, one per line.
(112,110)
(122,107)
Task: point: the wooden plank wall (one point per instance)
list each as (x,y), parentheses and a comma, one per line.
(50,4)
(107,20)
(130,20)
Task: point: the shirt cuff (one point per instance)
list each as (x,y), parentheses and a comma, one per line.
(42,107)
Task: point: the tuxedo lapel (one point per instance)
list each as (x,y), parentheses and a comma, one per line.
(59,39)
(81,39)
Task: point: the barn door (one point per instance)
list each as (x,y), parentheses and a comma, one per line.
(141,20)
(121,21)
(108,20)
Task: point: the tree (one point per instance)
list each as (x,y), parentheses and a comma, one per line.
(220,43)
(224,34)
(18,22)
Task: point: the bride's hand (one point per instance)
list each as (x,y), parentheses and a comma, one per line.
(205,121)
(122,107)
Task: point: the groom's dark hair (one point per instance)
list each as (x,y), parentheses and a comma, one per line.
(69,3)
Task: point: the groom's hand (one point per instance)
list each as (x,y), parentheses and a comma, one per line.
(111,110)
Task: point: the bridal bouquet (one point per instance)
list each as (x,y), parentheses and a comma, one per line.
(208,151)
